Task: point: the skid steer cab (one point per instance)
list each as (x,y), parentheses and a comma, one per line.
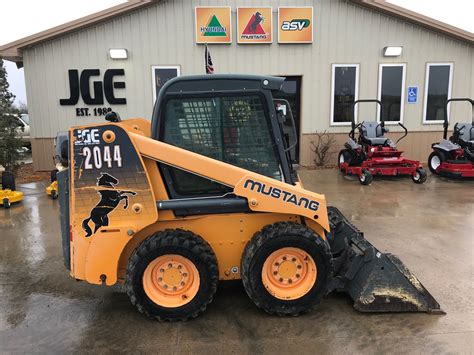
(206,192)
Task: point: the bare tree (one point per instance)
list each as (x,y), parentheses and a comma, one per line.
(321,147)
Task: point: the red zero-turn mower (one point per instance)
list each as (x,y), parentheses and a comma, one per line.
(454,157)
(374,154)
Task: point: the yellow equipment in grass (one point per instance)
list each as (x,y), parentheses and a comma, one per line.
(52,189)
(8,193)
(207,192)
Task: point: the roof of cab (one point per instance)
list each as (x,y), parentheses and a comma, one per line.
(221,82)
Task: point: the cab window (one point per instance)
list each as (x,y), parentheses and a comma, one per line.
(232,129)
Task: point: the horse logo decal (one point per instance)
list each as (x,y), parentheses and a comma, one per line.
(110,198)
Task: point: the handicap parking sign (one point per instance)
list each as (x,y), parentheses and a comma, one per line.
(412,96)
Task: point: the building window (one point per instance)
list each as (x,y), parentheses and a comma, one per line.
(391,92)
(437,91)
(160,75)
(345,88)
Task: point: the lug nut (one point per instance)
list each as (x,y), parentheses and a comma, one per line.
(275,272)
(290,281)
(160,279)
(162,270)
(165,286)
(179,267)
(293,259)
(298,276)
(182,284)
(170,265)
(284,258)
(299,266)
(185,275)
(281,280)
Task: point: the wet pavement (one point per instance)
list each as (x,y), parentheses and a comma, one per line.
(430,227)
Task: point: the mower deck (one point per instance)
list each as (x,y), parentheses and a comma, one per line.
(7,197)
(384,166)
(456,169)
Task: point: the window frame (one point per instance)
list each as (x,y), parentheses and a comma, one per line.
(153,77)
(356,93)
(402,93)
(427,80)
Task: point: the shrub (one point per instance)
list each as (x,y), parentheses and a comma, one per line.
(321,147)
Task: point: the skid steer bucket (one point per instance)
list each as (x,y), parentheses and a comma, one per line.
(377,282)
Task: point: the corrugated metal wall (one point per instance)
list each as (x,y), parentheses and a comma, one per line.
(163,34)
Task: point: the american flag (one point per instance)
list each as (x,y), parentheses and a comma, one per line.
(208,61)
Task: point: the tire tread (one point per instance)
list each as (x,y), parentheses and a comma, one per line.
(272,231)
(176,238)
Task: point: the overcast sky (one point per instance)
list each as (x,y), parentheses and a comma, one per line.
(37,15)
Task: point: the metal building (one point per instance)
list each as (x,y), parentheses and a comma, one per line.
(73,77)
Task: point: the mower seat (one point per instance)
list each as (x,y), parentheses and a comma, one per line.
(372,134)
(466,134)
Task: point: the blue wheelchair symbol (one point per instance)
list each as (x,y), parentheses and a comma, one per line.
(412,97)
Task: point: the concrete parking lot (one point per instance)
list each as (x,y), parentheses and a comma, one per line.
(430,227)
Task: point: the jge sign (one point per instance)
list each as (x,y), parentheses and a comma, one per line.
(79,86)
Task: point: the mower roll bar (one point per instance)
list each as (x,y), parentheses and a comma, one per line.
(352,132)
(353,124)
(406,132)
(446,123)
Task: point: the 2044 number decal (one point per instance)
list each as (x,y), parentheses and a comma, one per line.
(105,156)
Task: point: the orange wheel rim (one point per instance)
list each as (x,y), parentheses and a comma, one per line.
(171,281)
(289,273)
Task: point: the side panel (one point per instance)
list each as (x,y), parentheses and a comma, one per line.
(110,201)
(227,235)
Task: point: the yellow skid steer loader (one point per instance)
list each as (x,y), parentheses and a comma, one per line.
(207,192)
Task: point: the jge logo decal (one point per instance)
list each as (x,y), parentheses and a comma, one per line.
(87,136)
(79,86)
(295,25)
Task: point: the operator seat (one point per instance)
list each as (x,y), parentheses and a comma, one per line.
(372,134)
(466,133)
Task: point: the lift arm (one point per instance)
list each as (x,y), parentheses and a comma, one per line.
(263,194)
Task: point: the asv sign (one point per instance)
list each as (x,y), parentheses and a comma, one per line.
(295,25)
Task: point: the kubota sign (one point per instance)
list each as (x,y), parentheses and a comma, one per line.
(254,25)
(295,24)
(213,24)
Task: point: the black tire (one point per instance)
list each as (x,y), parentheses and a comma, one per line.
(8,181)
(172,241)
(54,194)
(436,157)
(345,156)
(420,177)
(366,177)
(6,203)
(54,175)
(271,239)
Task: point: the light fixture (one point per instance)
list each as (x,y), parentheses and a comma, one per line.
(392,51)
(118,53)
